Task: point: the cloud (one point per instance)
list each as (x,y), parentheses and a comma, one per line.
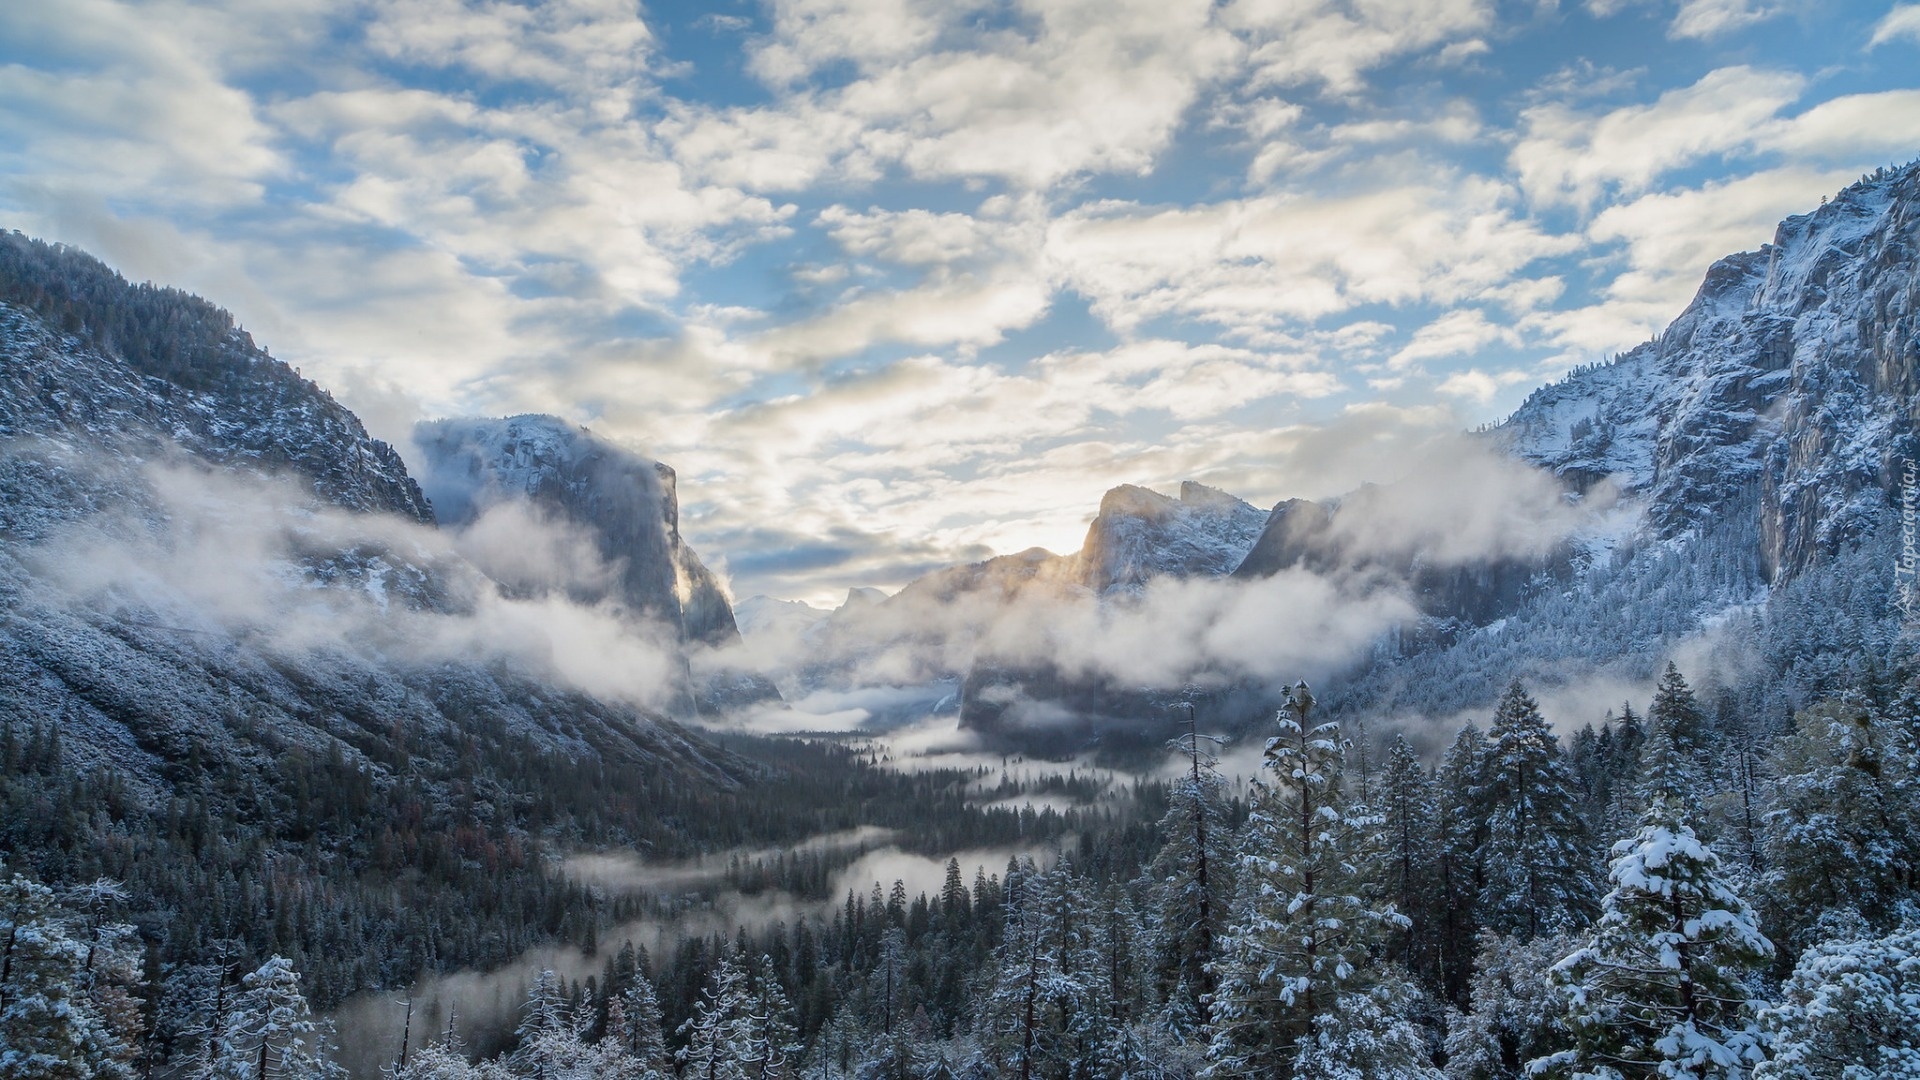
(1902,22)
(1255,266)
(1669,239)
(129,104)
(1075,87)
(1571,157)
(1333,43)
(1704,20)
(255,559)
(1459,331)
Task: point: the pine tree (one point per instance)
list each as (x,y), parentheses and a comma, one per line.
(1660,987)
(1465,804)
(1538,878)
(1851,1010)
(1192,884)
(719,1034)
(270,1032)
(1409,820)
(637,1026)
(771,1041)
(1516,1013)
(1842,828)
(49,1030)
(1302,990)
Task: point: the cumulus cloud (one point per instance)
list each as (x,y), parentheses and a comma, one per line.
(1568,156)
(1255,265)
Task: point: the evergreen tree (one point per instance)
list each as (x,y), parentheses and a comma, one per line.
(1516,1012)
(49,1029)
(1465,807)
(719,1034)
(1409,820)
(1660,987)
(1538,878)
(1842,828)
(1302,990)
(1851,1010)
(270,1032)
(1192,884)
(637,1026)
(771,1041)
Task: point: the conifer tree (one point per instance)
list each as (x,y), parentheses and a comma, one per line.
(1842,828)
(1465,803)
(1302,989)
(49,1029)
(1850,1011)
(1538,878)
(1660,986)
(637,1027)
(1192,884)
(270,1032)
(1409,819)
(719,1034)
(1515,1015)
(771,1041)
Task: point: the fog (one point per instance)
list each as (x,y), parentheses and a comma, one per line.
(259,560)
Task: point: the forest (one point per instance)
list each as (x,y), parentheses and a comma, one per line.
(1676,891)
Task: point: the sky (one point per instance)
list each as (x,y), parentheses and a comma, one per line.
(900,283)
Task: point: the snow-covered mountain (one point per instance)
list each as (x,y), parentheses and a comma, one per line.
(203,555)
(1785,392)
(1140,535)
(1761,439)
(626,504)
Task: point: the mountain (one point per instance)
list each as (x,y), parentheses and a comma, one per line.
(1758,443)
(1722,484)
(1139,535)
(231,635)
(628,505)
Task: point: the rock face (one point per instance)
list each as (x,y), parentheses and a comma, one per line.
(110,392)
(627,504)
(1761,438)
(1784,394)
(1141,534)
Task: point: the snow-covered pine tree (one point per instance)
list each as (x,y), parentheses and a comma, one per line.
(1538,869)
(1516,1014)
(1465,804)
(639,1029)
(1660,988)
(1303,991)
(1408,820)
(1851,1011)
(1842,828)
(772,1041)
(49,1028)
(269,1033)
(719,1036)
(1192,884)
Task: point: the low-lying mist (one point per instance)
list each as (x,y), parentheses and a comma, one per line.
(259,561)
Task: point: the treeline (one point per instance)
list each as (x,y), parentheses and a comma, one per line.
(1668,894)
(365,878)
